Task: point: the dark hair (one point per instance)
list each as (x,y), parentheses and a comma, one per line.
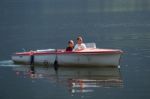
(80,38)
(70,41)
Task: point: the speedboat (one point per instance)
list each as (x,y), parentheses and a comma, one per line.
(91,56)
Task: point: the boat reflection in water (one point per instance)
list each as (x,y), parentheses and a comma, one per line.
(76,79)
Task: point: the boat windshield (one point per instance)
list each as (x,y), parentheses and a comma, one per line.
(90,45)
(44,50)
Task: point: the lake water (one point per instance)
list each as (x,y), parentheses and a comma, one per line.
(39,24)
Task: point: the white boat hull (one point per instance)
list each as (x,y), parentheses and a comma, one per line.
(90,60)
(71,58)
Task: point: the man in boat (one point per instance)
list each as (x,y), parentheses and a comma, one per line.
(70,45)
(80,45)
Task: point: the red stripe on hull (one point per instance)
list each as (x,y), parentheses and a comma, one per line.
(97,51)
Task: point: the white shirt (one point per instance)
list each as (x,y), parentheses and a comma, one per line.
(79,47)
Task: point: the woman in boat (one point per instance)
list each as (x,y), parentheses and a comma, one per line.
(70,45)
(80,45)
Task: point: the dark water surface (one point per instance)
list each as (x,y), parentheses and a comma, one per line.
(39,24)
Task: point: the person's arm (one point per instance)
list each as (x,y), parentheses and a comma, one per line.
(83,46)
(75,48)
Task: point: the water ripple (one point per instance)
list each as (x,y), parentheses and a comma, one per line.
(7,63)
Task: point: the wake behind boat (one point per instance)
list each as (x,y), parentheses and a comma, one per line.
(91,56)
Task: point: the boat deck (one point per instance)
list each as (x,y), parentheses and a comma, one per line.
(62,51)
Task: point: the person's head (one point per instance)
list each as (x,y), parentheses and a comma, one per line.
(79,40)
(71,43)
